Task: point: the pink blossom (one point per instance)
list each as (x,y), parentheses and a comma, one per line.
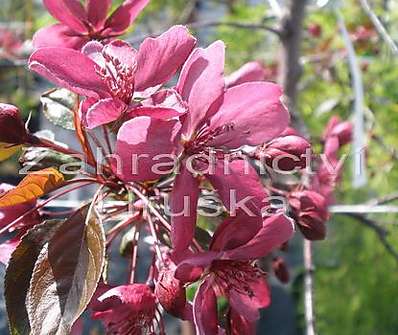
(111,75)
(226,270)
(126,309)
(82,23)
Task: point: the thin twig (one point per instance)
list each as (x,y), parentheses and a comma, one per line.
(380,232)
(214,23)
(379,27)
(308,288)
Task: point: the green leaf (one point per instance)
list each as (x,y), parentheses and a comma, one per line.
(66,274)
(19,273)
(58,105)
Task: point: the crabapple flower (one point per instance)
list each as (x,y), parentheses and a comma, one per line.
(310,212)
(126,309)
(226,270)
(80,23)
(12,128)
(110,75)
(341,129)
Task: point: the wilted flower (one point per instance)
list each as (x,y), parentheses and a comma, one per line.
(80,24)
(127,309)
(311,213)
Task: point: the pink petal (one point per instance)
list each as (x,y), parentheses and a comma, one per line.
(167,98)
(276,230)
(123,52)
(183,205)
(124,16)
(235,231)
(253,113)
(236,181)
(191,269)
(155,112)
(201,83)
(240,325)
(205,310)
(69,12)
(97,11)
(69,69)
(159,58)
(140,141)
(103,112)
(58,35)
(252,71)
(247,306)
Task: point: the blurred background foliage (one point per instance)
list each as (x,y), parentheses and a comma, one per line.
(356,279)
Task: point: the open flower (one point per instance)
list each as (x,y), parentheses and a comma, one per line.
(217,120)
(126,309)
(226,270)
(82,23)
(110,75)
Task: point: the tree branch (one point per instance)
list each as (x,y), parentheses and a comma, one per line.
(379,26)
(215,23)
(379,231)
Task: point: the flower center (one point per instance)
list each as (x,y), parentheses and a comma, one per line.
(237,276)
(118,77)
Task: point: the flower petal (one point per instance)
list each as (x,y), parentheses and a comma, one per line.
(276,230)
(141,143)
(58,35)
(159,58)
(252,71)
(201,82)
(254,113)
(191,268)
(155,112)
(240,325)
(103,112)
(69,69)
(124,16)
(205,310)
(247,305)
(69,12)
(97,11)
(183,204)
(238,183)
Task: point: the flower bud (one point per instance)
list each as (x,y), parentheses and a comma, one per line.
(285,153)
(310,212)
(343,130)
(171,293)
(280,270)
(12,128)
(315,30)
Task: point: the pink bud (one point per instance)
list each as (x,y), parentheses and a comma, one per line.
(171,293)
(12,128)
(280,270)
(315,30)
(311,213)
(285,153)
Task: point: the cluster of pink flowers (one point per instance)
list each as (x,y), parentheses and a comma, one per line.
(204,134)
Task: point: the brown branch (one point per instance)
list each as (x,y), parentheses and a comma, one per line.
(379,27)
(214,23)
(380,232)
(384,199)
(290,67)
